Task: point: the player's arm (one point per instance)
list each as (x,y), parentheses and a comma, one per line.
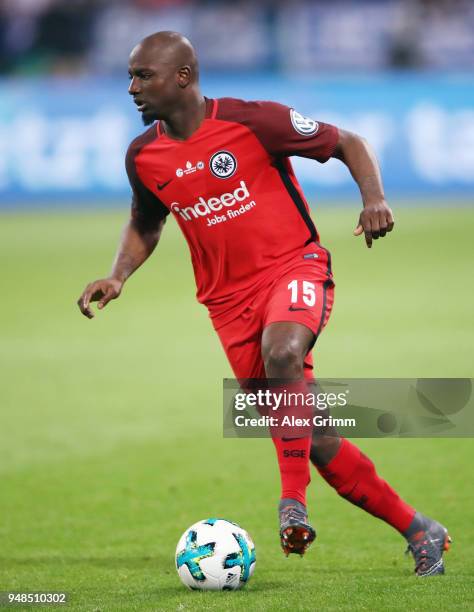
(139,239)
(137,244)
(285,132)
(376,218)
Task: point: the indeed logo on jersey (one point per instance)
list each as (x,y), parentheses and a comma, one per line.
(203,207)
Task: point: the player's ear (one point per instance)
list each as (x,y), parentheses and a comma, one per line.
(183,76)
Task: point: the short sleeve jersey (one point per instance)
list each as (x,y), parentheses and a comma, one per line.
(232,190)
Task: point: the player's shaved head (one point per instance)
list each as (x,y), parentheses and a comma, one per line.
(171,48)
(164,83)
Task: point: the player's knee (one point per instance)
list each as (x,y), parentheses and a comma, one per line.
(324,447)
(284,360)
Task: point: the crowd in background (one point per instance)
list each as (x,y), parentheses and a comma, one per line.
(94,36)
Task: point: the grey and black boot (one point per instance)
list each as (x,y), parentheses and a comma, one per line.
(296,534)
(427,541)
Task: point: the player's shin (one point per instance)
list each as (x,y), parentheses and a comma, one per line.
(292,438)
(352,474)
(293,461)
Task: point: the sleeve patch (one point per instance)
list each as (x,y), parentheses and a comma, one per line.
(303,125)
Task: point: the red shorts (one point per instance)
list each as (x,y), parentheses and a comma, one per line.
(304,294)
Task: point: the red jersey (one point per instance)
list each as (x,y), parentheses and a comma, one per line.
(232,190)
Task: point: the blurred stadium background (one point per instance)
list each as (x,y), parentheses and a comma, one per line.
(111,428)
(397,71)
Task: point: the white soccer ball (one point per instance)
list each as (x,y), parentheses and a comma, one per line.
(215,555)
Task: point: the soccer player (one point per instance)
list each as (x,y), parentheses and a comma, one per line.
(221,168)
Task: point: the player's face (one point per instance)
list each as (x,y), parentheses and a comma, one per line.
(153,86)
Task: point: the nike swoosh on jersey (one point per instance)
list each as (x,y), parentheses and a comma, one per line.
(293,309)
(163,185)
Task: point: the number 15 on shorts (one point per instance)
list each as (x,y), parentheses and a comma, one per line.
(304,289)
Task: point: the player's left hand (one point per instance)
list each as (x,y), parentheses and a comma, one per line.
(375,221)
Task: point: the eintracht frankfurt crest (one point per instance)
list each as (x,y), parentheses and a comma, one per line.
(303,125)
(223,164)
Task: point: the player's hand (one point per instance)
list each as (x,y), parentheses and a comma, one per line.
(101,291)
(375,221)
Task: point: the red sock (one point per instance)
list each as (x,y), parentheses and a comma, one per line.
(293,459)
(293,441)
(353,476)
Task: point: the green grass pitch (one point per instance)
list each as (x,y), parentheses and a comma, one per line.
(110,437)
